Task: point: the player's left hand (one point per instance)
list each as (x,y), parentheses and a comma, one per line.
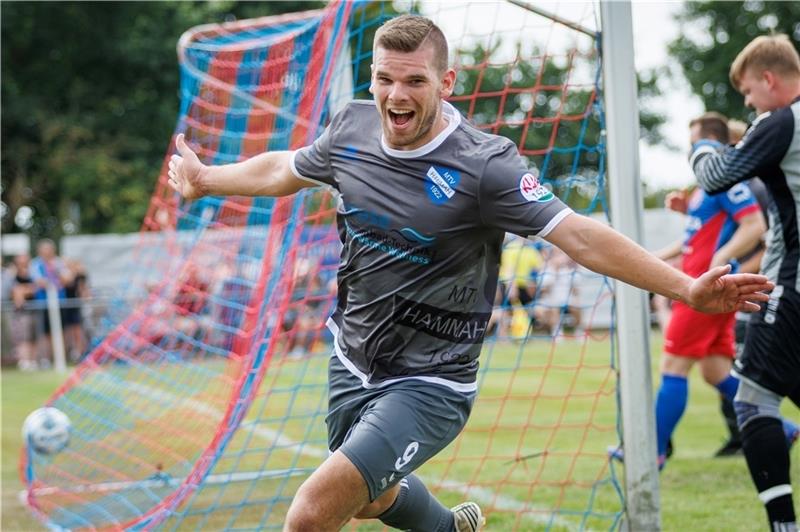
(718,291)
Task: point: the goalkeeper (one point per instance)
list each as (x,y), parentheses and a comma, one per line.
(425,200)
(767,73)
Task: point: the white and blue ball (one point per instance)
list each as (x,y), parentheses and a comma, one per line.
(47,430)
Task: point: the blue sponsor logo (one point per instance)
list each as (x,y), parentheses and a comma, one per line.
(372,230)
(417,238)
(364,217)
(441,184)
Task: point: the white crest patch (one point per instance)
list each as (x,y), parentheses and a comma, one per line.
(532,190)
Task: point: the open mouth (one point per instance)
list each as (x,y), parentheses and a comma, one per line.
(401,118)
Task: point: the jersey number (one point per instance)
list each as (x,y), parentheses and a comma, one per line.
(409,453)
(739,193)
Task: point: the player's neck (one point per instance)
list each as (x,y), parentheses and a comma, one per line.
(440,123)
(789,93)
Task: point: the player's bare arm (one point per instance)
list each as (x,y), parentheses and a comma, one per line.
(671,251)
(605,251)
(751,228)
(266,174)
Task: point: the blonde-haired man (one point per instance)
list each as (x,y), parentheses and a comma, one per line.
(767,73)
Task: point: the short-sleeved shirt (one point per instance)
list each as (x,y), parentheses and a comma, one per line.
(421,235)
(41,269)
(713,219)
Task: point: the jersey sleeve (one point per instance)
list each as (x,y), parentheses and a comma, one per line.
(512,199)
(738,201)
(313,162)
(762,148)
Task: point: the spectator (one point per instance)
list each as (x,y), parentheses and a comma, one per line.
(520,263)
(23,328)
(559,305)
(9,271)
(75,289)
(47,269)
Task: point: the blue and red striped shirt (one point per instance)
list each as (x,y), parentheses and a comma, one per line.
(713,218)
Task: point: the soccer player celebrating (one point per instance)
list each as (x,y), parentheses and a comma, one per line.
(425,201)
(767,73)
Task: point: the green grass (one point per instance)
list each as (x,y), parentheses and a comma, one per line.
(559,401)
(21,393)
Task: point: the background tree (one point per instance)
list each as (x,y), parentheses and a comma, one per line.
(566,150)
(89,103)
(90,100)
(713,33)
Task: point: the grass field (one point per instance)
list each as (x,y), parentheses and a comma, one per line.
(697,492)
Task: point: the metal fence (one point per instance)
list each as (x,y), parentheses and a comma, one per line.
(47,316)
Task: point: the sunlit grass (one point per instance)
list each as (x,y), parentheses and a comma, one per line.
(536,441)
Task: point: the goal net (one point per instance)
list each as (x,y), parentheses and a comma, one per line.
(203,404)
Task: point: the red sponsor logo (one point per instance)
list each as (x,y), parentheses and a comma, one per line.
(528,184)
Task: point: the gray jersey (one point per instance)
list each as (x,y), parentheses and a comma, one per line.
(421,232)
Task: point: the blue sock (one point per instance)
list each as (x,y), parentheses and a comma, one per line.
(670,405)
(728,387)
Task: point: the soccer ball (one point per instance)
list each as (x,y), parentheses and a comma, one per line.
(47,430)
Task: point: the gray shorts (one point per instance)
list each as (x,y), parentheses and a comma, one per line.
(389,432)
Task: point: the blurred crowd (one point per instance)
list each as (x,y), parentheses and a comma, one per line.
(538,291)
(26,282)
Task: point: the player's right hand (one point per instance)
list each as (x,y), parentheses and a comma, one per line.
(186,172)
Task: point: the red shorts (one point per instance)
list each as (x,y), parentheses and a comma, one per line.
(693,334)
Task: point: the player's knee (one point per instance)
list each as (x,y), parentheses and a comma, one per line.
(678,366)
(303,515)
(753,402)
(715,368)
(379,505)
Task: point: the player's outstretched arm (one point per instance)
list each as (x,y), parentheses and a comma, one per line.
(608,252)
(267,174)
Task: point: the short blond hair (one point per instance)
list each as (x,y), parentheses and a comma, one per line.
(775,53)
(407,33)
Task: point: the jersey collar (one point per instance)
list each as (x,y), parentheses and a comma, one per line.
(453,118)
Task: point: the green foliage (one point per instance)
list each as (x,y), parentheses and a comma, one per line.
(713,33)
(563,149)
(90,102)
(500,98)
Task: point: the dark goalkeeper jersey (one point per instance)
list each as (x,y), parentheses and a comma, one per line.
(770,150)
(422,232)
